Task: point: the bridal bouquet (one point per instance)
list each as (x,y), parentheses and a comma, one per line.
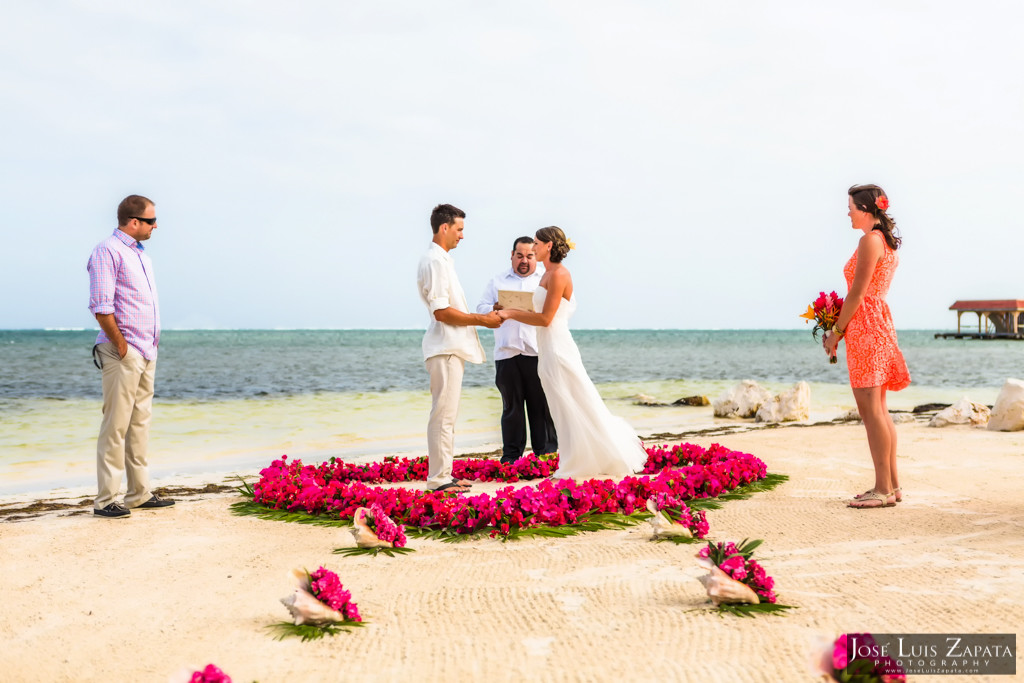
(834,661)
(824,312)
(375,532)
(737,583)
(320,606)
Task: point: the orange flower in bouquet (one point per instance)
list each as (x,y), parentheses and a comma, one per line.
(825,313)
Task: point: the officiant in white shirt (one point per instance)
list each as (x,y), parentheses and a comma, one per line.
(515,362)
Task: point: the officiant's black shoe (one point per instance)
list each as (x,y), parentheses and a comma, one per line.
(112,510)
(157,502)
(508,461)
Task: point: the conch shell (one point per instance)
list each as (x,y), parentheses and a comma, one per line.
(722,588)
(365,538)
(305,608)
(662,525)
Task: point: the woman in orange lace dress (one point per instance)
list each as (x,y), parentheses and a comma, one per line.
(872,354)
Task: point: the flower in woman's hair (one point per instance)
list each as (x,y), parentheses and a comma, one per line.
(882,202)
(570,243)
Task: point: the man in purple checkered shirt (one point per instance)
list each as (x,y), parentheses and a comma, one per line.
(122,296)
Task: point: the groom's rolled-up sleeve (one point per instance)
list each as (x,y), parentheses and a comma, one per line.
(489,298)
(434,283)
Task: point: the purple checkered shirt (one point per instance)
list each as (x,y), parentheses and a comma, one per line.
(121,282)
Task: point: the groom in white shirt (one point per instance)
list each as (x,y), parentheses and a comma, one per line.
(450,341)
(515,362)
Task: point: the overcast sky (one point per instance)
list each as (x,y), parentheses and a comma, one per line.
(697,153)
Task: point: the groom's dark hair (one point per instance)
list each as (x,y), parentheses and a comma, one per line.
(444,213)
(525,239)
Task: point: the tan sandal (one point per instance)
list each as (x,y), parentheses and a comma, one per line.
(883,500)
(898,492)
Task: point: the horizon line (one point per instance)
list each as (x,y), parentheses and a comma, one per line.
(421,329)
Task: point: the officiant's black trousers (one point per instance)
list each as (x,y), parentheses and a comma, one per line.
(522,395)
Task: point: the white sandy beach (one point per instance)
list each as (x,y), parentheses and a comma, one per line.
(137,599)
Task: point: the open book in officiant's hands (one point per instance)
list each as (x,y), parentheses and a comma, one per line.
(510,298)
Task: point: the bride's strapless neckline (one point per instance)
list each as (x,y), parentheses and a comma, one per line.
(546,293)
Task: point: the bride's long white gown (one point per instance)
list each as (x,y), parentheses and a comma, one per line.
(591,441)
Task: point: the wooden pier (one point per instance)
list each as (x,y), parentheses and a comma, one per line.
(1004,316)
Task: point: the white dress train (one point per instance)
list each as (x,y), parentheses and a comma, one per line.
(591,441)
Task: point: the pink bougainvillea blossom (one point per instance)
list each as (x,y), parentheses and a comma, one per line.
(326,587)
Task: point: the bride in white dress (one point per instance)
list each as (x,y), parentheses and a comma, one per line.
(591,441)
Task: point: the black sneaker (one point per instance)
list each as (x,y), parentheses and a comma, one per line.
(112,510)
(157,502)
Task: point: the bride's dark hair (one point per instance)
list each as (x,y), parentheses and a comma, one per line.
(872,199)
(559,243)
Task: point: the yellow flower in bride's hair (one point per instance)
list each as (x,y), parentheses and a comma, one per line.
(809,314)
(572,245)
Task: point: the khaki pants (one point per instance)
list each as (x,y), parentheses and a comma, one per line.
(445,390)
(124,432)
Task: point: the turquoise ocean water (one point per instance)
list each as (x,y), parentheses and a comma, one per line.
(251,363)
(237,398)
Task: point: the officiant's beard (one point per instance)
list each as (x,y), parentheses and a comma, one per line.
(523,268)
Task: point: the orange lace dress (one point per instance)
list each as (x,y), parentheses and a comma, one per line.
(872,355)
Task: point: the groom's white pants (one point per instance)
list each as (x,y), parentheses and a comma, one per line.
(445,389)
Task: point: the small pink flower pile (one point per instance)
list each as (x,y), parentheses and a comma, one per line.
(386,529)
(737,563)
(881,669)
(210,674)
(680,513)
(326,587)
(682,472)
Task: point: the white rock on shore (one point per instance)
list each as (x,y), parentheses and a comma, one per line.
(1008,412)
(853,415)
(960,413)
(789,406)
(743,400)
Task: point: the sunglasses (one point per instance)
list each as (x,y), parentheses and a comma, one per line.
(148,221)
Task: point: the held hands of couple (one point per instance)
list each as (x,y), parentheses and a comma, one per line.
(492,320)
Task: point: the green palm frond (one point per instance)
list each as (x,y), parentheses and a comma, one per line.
(750,611)
(390,552)
(678,540)
(770,482)
(250,509)
(286,629)
(244,488)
